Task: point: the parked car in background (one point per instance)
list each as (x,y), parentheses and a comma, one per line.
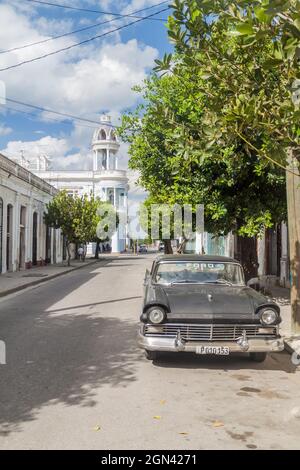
(200,304)
(143,249)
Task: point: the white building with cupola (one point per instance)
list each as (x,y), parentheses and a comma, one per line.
(104,180)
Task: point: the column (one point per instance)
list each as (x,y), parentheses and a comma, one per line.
(284,260)
(115,242)
(52,246)
(107,159)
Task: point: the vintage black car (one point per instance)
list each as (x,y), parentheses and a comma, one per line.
(201,304)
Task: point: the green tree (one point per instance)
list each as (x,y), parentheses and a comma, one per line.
(248,53)
(60,213)
(109,222)
(181,160)
(78,218)
(86,219)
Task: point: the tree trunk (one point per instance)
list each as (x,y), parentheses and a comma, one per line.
(182,246)
(168,247)
(69,254)
(293,202)
(97,250)
(247,255)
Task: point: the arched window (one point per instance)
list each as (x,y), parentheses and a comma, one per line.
(113,136)
(102,135)
(1,232)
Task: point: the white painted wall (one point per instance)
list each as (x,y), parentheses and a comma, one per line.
(17,192)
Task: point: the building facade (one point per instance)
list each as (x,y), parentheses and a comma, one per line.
(25,241)
(105,180)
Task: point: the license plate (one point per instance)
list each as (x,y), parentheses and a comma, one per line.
(217,350)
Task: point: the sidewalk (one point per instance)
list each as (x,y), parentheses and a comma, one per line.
(282,298)
(13,282)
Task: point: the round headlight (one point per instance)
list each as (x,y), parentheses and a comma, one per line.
(156,315)
(268,316)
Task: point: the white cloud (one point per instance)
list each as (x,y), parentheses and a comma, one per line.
(4,130)
(85,81)
(57,149)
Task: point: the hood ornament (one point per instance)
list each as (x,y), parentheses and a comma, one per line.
(210,297)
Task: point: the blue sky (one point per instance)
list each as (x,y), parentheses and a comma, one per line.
(85,81)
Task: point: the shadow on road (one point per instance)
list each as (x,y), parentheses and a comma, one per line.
(60,357)
(56,310)
(277,361)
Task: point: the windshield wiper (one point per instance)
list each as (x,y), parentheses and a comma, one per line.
(220,281)
(184,281)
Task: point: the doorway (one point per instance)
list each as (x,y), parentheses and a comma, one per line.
(9,238)
(34,238)
(48,244)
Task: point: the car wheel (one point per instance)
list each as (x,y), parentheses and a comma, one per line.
(258,356)
(151,355)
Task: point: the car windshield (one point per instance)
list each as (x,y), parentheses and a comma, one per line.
(199,273)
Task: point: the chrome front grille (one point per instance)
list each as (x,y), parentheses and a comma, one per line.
(213,332)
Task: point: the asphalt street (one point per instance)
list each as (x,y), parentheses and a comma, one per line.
(75,379)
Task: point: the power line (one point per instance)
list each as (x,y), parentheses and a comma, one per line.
(86,28)
(121,15)
(48,118)
(81,42)
(51,111)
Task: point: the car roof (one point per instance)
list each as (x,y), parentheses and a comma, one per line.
(183,257)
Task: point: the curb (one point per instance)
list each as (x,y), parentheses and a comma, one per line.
(48,278)
(292,344)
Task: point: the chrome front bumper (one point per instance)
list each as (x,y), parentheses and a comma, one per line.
(177,344)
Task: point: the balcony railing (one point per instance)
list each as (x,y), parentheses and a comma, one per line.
(111,173)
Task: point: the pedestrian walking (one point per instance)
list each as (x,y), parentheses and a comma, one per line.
(80,253)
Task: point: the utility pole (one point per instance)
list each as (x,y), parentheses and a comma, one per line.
(293,202)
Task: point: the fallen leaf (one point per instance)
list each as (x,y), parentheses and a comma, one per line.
(156,417)
(217,424)
(97,428)
(162,402)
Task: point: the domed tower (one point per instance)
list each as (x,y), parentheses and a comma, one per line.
(110,183)
(105,146)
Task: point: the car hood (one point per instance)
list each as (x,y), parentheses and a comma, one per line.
(208,301)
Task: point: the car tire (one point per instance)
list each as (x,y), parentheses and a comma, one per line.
(258,356)
(151,355)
